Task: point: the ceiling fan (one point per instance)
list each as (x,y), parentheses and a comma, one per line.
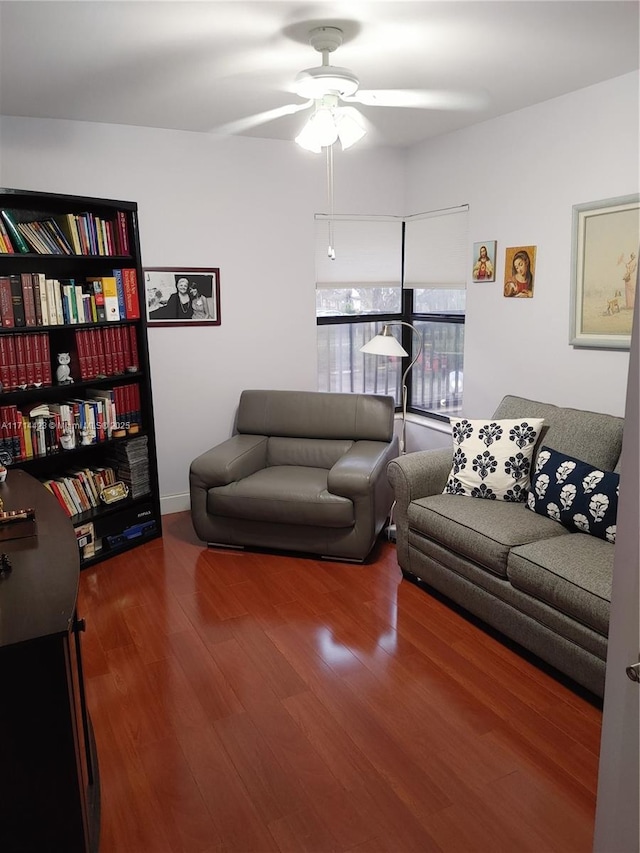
(332,91)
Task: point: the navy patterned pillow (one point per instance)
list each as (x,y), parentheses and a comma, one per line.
(575,493)
(492,459)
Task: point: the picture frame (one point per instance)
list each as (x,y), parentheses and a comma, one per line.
(520,271)
(604,272)
(164,291)
(484,261)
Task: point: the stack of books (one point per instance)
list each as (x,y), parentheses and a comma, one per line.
(131,461)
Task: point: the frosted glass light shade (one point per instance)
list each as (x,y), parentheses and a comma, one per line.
(319,132)
(384,344)
(350,130)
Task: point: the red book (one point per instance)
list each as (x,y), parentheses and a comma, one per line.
(6,303)
(61,500)
(137,409)
(46,359)
(12,362)
(122,233)
(82,355)
(131,301)
(5,376)
(118,335)
(37,297)
(37,358)
(21,359)
(6,440)
(110,348)
(92,350)
(29,358)
(133,341)
(28,299)
(98,344)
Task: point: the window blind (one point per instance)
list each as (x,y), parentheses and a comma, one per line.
(368,252)
(436,249)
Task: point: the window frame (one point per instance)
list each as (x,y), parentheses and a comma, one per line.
(407,314)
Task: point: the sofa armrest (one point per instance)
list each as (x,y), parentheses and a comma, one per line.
(353,474)
(238,457)
(415,475)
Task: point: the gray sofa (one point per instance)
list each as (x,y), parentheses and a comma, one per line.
(526,575)
(305,471)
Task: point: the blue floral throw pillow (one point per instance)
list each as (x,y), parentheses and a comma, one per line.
(492,459)
(575,493)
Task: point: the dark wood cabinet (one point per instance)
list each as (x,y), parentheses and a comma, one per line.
(49,793)
(109,365)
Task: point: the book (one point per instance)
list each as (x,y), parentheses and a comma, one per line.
(17,239)
(28,299)
(37,297)
(96,286)
(17,301)
(5,240)
(111,303)
(5,376)
(131,301)
(6,303)
(117,274)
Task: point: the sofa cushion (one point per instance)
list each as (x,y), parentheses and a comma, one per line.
(574,493)
(492,458)
(571,573)
(286,494)
(592,436)
(482,531)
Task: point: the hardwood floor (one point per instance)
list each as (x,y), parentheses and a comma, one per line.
(254,702)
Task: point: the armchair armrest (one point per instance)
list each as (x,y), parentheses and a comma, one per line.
(353,474)
(235,458)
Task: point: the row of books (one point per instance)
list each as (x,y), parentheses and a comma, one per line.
(50,428)
(67,234)
(78,490)
(106,351)
(31,299)
(25,361)
(100,352)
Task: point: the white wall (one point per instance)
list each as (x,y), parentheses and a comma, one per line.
(521,174)
(244,205)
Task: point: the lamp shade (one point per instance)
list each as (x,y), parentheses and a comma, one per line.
(384,344)
(350,130)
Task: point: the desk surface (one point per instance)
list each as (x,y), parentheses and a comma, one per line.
(38,596)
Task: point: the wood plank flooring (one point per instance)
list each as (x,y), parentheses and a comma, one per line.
(248,702)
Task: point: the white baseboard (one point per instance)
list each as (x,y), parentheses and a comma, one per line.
(174,503)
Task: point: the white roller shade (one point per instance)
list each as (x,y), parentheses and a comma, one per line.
(368,252)
(436,249)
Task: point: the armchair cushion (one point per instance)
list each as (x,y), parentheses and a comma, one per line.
(284,494)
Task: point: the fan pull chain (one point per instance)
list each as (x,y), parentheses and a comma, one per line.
(331,252)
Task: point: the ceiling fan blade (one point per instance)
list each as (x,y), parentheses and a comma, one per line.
(242,124)
(418,99)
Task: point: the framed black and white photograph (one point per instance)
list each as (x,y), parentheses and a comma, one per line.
(604,272)
(178,296)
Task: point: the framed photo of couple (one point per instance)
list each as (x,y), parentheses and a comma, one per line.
(178,296)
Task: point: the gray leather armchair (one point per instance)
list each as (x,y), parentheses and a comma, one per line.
(305,471)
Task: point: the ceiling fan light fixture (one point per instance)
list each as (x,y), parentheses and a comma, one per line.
(320,131)
(350,130)
(326,79)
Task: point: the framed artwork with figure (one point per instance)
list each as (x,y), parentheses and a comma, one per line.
(604,272)
(177,296)
(484,261)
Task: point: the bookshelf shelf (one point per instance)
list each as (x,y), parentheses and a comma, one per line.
(78,437)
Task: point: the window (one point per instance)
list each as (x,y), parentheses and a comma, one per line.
(362,288)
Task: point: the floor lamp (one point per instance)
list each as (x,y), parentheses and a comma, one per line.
(385,343)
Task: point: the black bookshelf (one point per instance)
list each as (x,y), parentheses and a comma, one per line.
(104,529)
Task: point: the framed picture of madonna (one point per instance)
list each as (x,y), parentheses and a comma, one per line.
(177,296)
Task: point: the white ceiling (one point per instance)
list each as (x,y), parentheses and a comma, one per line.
(200,65)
